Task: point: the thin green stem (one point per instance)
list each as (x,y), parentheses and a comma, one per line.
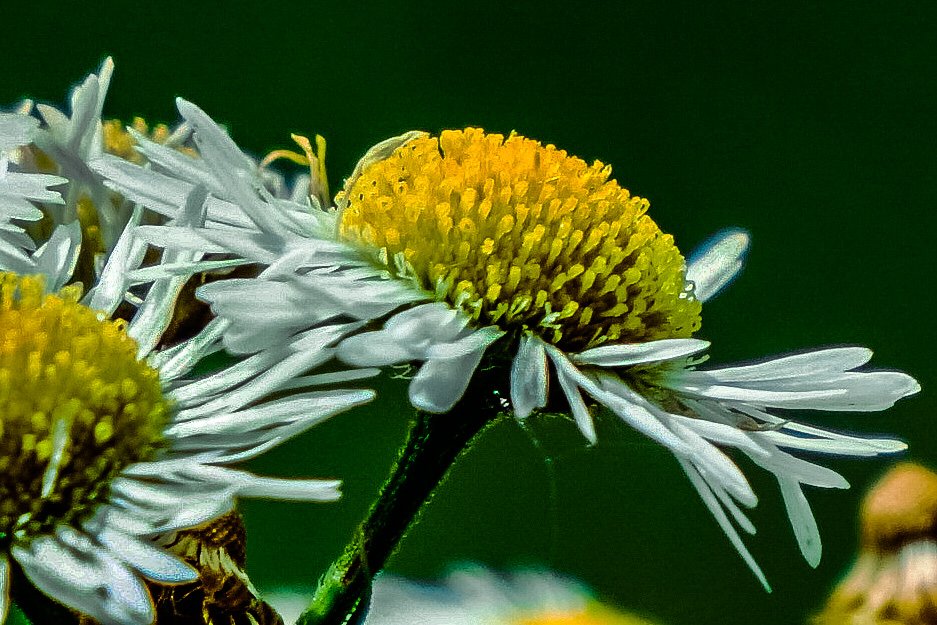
(435,442)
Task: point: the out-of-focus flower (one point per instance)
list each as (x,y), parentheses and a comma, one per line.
(105,442)
(478,596)
(894,578)
(442,251)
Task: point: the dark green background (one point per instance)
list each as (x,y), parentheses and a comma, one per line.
(810,125)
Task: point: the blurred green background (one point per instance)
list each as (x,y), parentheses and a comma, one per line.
(810,125)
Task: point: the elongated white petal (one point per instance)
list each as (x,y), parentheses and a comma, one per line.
(714,465)
(802,520)
(471,341)
(294,490)
(813,364)
(717,262)
(529,377)
(128,252)
(639,353)
(712,502)
(154,563)
(308,408)
(375,349)
(4,586)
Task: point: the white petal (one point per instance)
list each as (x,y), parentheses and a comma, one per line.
(4,586)
(712,503)
(636,411)
(714,465)
(570,385)
(441,382)
(802,520)
(71,569)
(471,341)
(16,130)
(834,443)
(292,490)
(849,392)
(271,379)
(309,409)
(128,252)
(717,262)
(57,258)
(529,377)
(22,186)
(375,349)
(639,353)
(154,563)
(178,360)
(813,364)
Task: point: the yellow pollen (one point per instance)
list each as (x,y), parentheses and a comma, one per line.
(523,236)
(119,142)
(76,406)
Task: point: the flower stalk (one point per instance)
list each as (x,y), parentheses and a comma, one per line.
(434,443)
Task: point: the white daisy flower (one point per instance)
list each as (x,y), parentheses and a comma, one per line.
(106,443)
(475,595)
(475,246)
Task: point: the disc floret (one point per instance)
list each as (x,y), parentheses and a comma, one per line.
(76,407)
(523,236)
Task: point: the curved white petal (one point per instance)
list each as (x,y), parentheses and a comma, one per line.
(154,563)
(717,262)
(712,502)
(529,376)
(441,382)
(72,569)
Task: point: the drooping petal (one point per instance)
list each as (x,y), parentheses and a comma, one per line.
(802,520)
(529,377)
(72,569)
(712,502)
(154,563)
(717,262)
(441,382)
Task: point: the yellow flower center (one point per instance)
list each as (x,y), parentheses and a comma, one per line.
(76,406)
(523,236)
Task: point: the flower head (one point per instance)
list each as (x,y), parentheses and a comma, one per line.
(474,595)
(520,235)
(438,248)
(894,578)
(107,443)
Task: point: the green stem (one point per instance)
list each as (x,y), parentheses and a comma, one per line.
(435,442)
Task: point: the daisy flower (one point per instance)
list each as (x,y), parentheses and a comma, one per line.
(894,578)
(472,246)
(105,443)
(475,595)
